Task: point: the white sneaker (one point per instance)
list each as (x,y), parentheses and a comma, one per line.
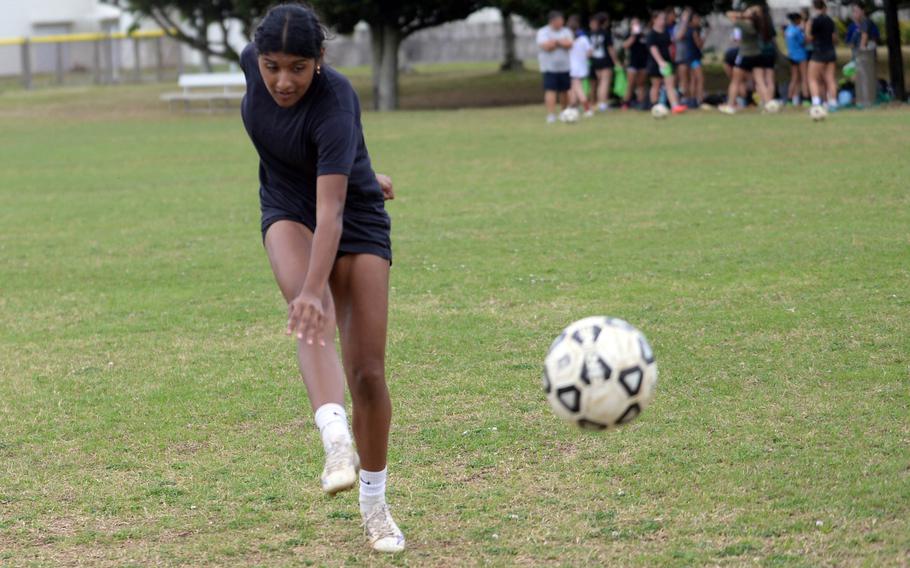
(727,109)
(382,532)
(341,467)
(589,113)
(551,119)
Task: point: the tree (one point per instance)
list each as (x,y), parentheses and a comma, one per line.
(390,23)
(188,21)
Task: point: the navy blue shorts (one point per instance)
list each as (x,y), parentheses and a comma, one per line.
(559,82)
(365,231)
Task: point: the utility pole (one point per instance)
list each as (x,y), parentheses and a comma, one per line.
(895,57)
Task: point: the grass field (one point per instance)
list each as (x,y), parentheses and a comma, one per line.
(151,413)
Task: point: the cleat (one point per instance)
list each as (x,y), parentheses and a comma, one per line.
(341,468)
(727,109)
(679,109)
(382,532)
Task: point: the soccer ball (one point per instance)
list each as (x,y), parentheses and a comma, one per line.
(659,111)
(772,106)
(600,373)
(569,115)
(818,113)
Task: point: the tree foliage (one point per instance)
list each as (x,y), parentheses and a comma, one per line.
(188,20)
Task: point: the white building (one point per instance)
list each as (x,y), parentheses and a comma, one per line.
(35,18)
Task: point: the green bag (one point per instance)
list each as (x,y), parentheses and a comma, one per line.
(620,82)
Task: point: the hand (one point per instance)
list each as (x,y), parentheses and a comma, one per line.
(306,318)
(385,184)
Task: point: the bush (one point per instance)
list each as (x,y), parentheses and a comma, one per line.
(904,27)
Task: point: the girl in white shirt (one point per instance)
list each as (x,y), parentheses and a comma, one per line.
(579,66)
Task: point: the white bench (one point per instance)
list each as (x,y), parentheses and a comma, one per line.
(209,87)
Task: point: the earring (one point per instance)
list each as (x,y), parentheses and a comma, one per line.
(319,69)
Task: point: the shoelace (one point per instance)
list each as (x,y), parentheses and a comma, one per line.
(379,523)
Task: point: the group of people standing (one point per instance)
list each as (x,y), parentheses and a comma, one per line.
(662,59)
(811,52)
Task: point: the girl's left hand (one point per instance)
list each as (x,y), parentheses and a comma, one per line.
(385,183)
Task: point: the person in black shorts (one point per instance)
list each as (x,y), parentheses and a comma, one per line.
(660,66)
(603,57)
(636,47)
(768,45)
(823,61)
(327,235)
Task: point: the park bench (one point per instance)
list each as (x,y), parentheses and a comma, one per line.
(209,87)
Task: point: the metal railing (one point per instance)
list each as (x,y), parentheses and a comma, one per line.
(100,58)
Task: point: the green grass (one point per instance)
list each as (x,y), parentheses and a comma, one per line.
(150,410)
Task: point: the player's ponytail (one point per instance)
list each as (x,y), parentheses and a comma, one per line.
(293,29)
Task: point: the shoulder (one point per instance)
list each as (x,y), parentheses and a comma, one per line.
(336,94)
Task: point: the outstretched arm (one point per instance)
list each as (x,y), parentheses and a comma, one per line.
(306,313)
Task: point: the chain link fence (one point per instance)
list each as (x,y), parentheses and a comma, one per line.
(90,58)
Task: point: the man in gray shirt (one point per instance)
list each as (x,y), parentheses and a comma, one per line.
(554,41)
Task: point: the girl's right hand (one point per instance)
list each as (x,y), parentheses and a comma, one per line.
(306,318)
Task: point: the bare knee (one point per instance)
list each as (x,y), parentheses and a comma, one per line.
(367,382)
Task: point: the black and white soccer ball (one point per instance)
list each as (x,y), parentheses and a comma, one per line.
(600,373)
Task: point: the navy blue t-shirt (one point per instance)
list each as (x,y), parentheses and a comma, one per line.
(320,135)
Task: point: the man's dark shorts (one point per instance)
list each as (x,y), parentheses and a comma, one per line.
(559,82)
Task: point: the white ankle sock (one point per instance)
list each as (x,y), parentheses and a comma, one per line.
(816,101)
(333,424)
(372,488)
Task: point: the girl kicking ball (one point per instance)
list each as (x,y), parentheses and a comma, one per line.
(326,233)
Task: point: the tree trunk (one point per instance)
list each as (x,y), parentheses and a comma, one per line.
(510,61)
(385,66)
(895,57)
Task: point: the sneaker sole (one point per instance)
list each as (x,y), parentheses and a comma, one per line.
(390,548)
(342,482)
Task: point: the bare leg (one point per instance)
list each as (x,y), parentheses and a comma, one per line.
(735,89)
(360,284)
(831,80)
(795,82)
(761,85)
(815,86)
(632,85)
(672,96)
(604,84)
(804,77)
(288,246)
(549,99)
(655,91)
(683,74)
(564,99)
(698,82)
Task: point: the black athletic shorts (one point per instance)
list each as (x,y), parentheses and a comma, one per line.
(599,63)
(730,56)
(767,60)
(654,70)
(559,82)
(366,231)
(749,62)
(824,56)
